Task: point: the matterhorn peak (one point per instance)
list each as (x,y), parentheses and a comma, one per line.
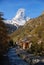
(19,19)
(20,16)
(20,13)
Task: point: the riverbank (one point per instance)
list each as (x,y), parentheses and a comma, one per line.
(17,56)
(29,58)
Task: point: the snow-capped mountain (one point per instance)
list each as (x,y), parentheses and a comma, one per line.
(19,19)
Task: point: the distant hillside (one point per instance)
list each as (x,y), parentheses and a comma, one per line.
(33,27)
(11,28)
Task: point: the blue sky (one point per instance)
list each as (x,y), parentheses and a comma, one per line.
(33,8)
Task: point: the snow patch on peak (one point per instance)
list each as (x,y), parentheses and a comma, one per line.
(27,18)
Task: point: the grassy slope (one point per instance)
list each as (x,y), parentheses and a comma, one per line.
(31,27)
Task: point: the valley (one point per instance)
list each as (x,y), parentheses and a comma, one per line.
(22,42)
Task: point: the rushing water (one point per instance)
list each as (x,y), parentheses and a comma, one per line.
(14,59)
(11,58)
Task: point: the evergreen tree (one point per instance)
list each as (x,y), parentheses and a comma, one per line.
(3,36)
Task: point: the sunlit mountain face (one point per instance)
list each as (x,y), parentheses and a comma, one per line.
(19,19)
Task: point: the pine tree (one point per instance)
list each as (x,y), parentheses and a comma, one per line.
(3,36)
